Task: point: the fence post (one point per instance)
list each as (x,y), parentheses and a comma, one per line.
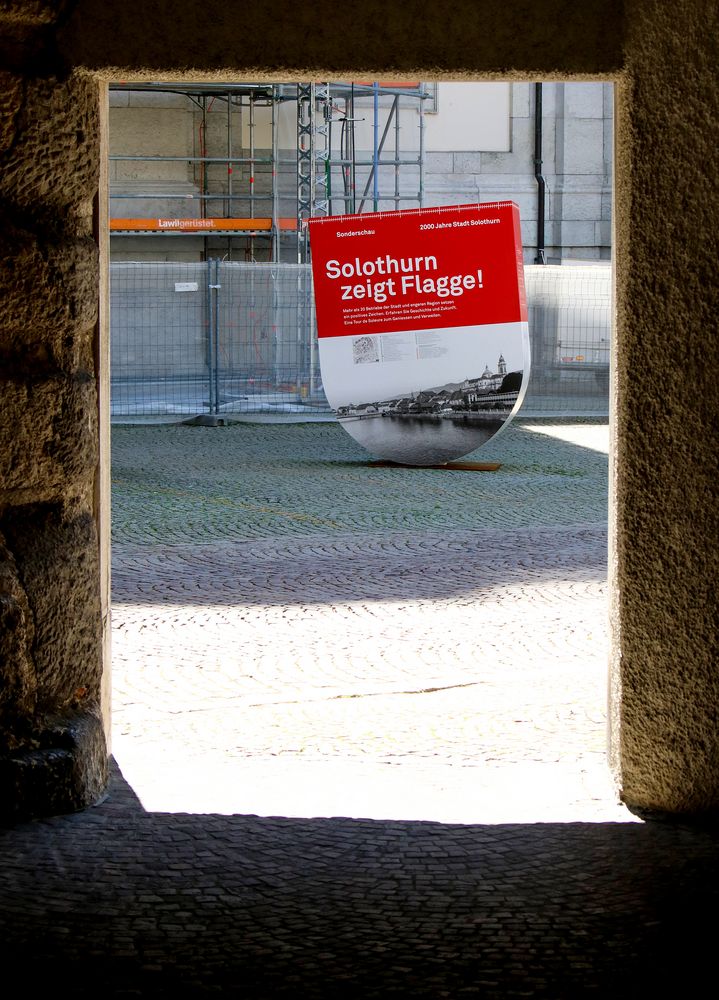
(217,335)
(213,341)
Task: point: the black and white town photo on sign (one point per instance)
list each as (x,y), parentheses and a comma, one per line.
(490,392)
(435,424)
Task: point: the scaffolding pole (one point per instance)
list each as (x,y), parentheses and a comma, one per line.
(275,252)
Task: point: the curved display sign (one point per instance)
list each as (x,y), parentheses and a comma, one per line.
(422,326)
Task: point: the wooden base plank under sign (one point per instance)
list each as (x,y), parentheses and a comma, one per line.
(449,466)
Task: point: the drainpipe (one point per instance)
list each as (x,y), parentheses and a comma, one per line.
(541,183)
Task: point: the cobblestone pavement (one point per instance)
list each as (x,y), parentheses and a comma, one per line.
(359,733)
(299,633)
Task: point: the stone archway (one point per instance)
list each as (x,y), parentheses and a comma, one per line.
(54,499)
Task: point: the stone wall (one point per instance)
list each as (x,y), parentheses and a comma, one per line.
(53,354)
(52,748)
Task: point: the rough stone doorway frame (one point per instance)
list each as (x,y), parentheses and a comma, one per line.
(665,395)
(644,780)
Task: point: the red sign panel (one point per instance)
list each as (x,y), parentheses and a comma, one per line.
(419,269)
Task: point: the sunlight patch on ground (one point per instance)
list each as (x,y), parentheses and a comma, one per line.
(519,793)
(595,437)
(440,659)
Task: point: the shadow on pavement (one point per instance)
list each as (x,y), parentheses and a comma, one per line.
(118,902)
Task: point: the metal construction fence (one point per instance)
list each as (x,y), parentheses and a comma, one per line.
(219,338)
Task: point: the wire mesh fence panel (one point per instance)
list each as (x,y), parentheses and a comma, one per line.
(267,340)
(570,318)
(159,338)
(224,337)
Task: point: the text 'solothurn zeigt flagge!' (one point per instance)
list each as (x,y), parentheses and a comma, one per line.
(422,326)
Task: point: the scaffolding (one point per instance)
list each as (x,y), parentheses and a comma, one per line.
(289,152)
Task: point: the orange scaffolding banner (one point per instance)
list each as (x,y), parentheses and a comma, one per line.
(199,225)
(395,84)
